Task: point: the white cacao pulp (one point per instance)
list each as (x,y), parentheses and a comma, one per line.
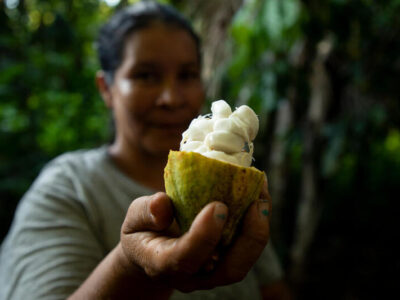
(227,136)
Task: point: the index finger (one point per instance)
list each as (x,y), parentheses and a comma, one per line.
(245,251)
(264,195)
(190,251)
(169,258)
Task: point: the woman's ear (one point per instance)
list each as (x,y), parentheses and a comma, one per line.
(104,88)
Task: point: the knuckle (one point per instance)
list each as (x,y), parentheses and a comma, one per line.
(185,267)
(182,266)
(158,194)
(152,272)
(259,238)
(159,267)
(210,241)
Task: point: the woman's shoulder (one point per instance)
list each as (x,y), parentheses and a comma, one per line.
(71,171)
(77,162)
(82,158)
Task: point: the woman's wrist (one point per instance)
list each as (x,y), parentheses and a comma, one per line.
(118,278)
(131,272)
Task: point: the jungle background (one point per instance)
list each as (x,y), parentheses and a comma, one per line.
(323,76)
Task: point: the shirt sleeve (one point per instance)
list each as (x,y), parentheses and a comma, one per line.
(268,268)
(52,246)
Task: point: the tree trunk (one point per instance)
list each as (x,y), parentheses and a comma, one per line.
(310,203)
(277,163)
(277,171)
(212,19)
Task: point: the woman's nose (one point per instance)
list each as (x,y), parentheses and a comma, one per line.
(170,96)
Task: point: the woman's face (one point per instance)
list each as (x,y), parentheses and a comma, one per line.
(157,89)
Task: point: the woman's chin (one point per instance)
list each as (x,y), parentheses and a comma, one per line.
(162,147)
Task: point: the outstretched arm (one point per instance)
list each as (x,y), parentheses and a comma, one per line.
(149,263)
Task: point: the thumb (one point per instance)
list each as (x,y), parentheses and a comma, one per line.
(148,213)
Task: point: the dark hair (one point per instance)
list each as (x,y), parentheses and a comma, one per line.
(112,35)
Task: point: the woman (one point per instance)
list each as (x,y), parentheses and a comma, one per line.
(67,239)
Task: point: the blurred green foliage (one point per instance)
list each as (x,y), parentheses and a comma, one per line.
(364,69)
(358,157)
(49,102)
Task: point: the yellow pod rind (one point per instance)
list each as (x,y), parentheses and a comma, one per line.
(193,180)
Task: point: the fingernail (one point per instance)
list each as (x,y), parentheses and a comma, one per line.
(220,212)
(263,208)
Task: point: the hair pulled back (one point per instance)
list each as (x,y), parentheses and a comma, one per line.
(112,35)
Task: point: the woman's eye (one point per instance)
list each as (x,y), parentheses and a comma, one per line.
(146,76)
(188,75)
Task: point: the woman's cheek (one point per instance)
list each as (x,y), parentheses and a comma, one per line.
(135,98)
(125,87)
(196,96)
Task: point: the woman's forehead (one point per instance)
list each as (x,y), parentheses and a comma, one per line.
(161,43)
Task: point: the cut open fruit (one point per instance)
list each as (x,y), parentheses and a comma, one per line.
(193,180)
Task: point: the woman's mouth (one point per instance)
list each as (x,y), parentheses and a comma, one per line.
(169,127)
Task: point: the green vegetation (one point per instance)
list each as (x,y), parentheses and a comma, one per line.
(49,102)
(323,76)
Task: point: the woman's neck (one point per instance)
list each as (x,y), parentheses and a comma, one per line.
(143,167)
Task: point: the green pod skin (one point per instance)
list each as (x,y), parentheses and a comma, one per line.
(193,180)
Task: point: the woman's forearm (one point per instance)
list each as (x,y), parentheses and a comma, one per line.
(115,278)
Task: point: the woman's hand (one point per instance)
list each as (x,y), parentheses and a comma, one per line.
(150,247)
